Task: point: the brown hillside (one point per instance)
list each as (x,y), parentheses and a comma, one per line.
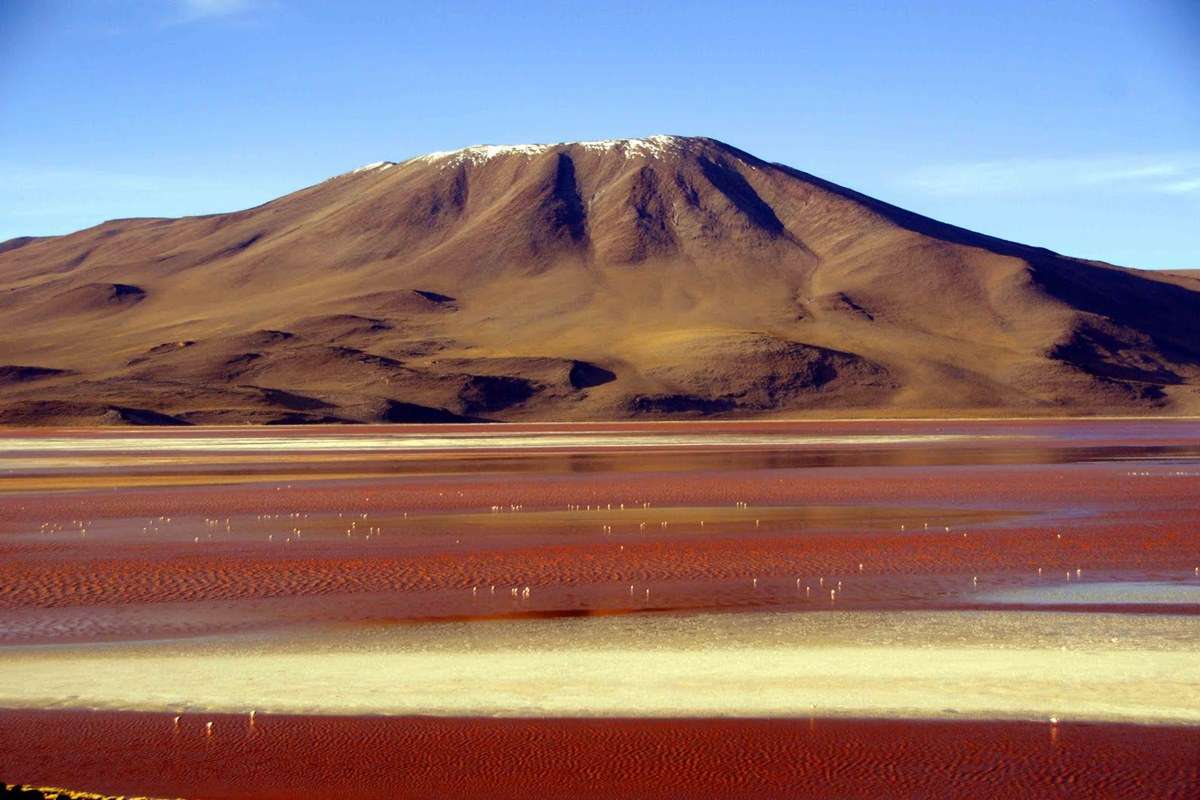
(642,278)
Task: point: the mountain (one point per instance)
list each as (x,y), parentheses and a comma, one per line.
(637,278)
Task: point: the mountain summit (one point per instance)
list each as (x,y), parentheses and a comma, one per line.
(632,278)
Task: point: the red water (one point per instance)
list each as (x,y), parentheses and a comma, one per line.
(93,553)
(338,757)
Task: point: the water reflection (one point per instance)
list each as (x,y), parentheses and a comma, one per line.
(354,464)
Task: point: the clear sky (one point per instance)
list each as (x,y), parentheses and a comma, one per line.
(1072,125)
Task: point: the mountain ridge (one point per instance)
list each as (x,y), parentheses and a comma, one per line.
(474,283)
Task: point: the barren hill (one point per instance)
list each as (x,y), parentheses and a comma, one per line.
(638,278)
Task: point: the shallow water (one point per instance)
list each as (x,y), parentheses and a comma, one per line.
(1109,593)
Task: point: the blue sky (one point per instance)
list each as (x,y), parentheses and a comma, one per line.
(1072,125)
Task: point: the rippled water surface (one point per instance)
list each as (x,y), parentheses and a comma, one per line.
(990,569)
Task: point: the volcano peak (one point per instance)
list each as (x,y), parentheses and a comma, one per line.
(679,276)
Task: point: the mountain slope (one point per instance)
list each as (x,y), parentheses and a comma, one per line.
(595,280)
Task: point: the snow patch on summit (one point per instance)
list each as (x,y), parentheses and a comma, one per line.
(477,154)
(650,146)
(373,166)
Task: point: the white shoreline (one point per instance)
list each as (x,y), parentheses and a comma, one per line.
(498,440)
(943,665)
